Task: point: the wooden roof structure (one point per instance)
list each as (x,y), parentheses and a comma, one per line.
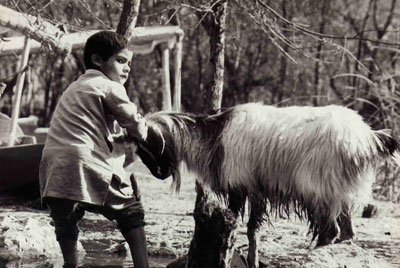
(143,41)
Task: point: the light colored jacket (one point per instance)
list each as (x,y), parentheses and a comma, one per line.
(78,161)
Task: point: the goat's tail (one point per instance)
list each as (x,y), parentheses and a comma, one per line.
(388,145)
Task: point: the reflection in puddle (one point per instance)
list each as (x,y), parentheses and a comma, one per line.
(87,262)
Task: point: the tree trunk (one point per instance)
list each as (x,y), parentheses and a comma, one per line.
(126,24)
(216,27)
(127,21)
(212,243)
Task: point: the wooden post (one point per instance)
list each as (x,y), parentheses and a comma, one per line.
(18,93)
(166,102)
(178,74)
(2,88)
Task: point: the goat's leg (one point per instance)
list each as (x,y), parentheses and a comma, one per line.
(328,234)
(252,255)
(345,225)
(257,209)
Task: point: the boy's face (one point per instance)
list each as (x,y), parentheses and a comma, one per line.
(117,67)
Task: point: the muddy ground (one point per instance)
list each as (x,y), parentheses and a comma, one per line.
(170,227)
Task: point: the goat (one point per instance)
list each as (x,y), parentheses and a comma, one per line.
(316,161)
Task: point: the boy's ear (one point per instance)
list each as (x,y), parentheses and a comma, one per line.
(96,60)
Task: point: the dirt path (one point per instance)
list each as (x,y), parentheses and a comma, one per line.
(286,244)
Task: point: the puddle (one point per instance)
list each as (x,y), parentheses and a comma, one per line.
(96,257)
(87,262)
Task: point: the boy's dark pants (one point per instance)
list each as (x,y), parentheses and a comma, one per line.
(67,214)
(125,210)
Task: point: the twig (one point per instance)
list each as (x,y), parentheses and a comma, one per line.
(302,29)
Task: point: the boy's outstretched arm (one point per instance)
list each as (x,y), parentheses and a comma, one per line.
(125,112)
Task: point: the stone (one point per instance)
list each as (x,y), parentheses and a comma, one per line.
(369,211)
(162,252)
(27,238)
(178,263)
(238,261)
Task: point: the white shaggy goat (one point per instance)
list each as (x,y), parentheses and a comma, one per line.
(315,161)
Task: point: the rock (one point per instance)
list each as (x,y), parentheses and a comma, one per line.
(369,211)
(178,263)
(341,255)
(27,238)
(162,252)
(238,261)
(120,249)
(165,244)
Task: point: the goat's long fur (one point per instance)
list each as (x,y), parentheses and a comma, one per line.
(314,160)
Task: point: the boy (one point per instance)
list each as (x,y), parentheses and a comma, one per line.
(79,171)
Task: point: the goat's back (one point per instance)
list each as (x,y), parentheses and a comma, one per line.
(309,153)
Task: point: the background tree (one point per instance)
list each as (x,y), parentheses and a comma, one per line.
(275,53)
(213,221)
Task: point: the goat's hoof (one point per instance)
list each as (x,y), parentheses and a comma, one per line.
(323,244)
(345,240)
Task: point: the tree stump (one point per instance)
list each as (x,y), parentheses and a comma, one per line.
(214,235)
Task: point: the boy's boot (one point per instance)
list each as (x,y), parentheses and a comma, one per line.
(69,251)
(136,239)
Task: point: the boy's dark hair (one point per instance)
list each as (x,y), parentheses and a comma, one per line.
(105,44)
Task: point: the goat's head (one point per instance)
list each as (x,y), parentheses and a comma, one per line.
(158,153)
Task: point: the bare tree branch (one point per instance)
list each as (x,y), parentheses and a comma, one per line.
(127,21)
(300,28)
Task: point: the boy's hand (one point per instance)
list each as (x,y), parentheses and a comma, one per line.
(135,187)
(142,128)
(125,137)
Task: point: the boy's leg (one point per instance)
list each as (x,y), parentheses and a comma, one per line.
(66,215)
(128,211)
(69,251)
(130,222)
(136,239)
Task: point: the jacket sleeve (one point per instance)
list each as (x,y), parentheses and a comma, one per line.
(125,111)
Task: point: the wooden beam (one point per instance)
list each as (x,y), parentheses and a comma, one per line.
(143,40)
(178,76)
(166,94)
(18,95)
(35,28)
